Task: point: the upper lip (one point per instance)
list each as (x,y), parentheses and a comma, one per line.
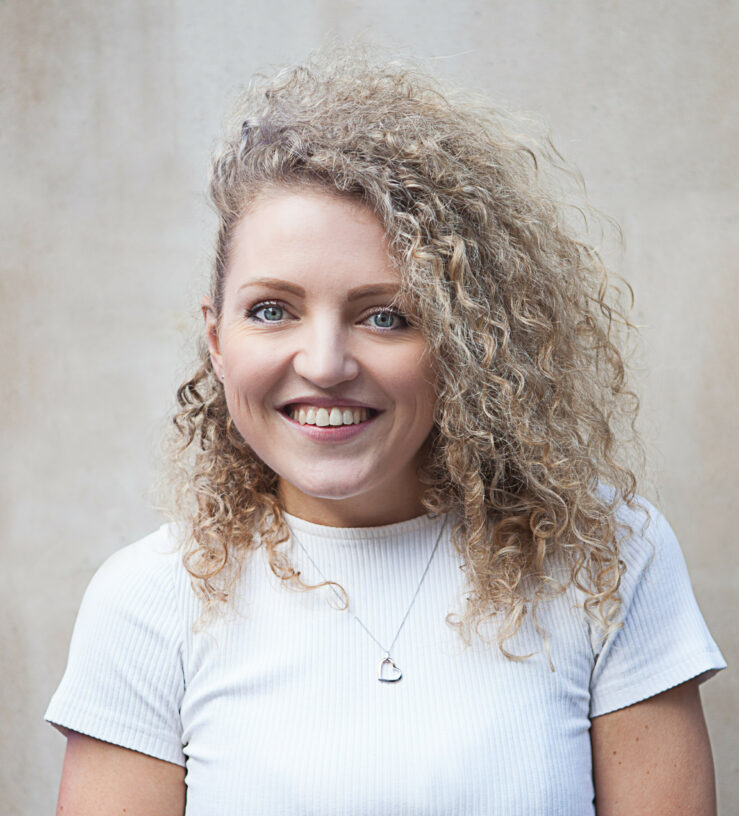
(325,402)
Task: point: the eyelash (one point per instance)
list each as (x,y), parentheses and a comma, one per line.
(252,312)
(263,304)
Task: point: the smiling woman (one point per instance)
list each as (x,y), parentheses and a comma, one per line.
(410,397)
(318,337)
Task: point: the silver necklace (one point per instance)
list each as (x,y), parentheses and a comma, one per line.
(387,672)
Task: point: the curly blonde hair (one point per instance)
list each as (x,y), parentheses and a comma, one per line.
(533,416)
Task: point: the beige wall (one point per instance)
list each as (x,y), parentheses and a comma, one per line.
(108,112)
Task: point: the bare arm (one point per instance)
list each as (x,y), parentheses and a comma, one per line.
(654,758)
(100,779)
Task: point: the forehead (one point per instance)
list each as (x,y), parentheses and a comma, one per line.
(309,236)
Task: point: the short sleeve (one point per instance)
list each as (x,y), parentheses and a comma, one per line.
(664,640)
(124,679)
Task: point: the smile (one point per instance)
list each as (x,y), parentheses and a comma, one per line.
(335,416)
(317,425)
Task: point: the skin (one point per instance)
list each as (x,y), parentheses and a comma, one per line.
(100,779)
(650,758)
(654,758)
(338,337)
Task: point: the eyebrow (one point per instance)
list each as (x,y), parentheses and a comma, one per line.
(354,294)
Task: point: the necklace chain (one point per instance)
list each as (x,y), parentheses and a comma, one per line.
(387,659)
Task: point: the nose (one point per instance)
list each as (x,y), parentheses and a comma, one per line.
(324,357)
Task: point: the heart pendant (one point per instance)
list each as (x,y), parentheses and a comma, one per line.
(391,674)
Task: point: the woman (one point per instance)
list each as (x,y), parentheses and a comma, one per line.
(407,413)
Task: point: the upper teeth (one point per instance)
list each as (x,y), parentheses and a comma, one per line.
(310,415)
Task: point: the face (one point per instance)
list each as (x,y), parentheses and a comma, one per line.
(323,376)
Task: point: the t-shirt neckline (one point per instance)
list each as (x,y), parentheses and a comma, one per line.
(384,532)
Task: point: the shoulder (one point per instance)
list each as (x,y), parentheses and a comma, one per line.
(661,639)
(646,541)
(153,561)
(648,548)
(125,678)
(145,577)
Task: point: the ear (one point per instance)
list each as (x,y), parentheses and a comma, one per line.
(211,335)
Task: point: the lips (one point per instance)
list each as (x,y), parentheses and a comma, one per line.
(324,402)
(328,417)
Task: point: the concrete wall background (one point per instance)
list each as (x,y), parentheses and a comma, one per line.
(108,113)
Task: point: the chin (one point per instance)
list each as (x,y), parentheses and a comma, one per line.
(336,487)
(332,491)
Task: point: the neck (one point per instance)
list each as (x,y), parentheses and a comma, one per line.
(355,511)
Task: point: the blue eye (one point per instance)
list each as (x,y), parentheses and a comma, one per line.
(387,320)
(267,312)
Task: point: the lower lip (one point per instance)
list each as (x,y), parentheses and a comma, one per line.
(330,433)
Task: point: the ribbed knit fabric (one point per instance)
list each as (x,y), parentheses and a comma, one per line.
(276,709)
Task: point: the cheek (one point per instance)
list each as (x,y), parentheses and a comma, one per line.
(250,378)
(427,388)
(411,381)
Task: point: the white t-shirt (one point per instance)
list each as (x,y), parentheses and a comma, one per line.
(277,709)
